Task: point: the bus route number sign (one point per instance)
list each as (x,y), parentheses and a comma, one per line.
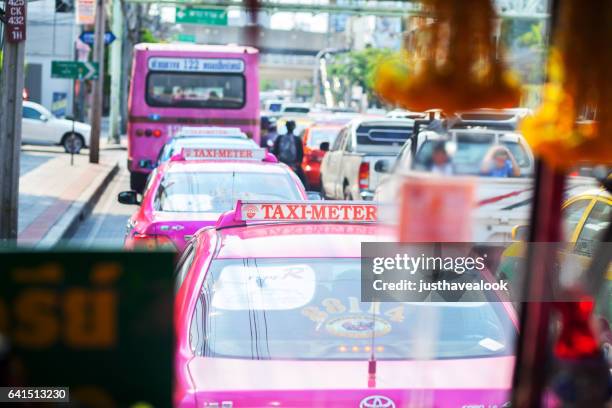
(15,15)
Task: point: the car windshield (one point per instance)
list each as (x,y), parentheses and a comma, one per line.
(218,191)
(469,154)
(310,309)
(318,136)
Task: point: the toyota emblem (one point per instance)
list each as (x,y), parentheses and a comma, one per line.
(377,401)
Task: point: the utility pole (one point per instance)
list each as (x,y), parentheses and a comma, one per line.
(116,54)
(11,100)
(96,109)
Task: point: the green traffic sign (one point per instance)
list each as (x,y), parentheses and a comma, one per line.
(74,70)
(186,38)
(99,323)
(189,15)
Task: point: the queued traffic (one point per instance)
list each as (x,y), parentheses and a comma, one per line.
(268,276)
(268,225)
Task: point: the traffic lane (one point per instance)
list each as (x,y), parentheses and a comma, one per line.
(105,226)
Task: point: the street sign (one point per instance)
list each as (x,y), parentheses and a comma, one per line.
(74,70)
(88,37)
(15,15)
(99,323)
(189,15)
(85,12)
(189,38)
(59,103)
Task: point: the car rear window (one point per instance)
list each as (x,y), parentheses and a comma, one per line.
(318,136)
(310,309)
(218,191)
(469,154)
(382,135)
(296,109)
(275,107)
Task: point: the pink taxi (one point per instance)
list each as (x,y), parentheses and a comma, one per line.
(196,186)
(268,313)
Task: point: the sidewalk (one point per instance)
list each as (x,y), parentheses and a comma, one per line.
(54,195)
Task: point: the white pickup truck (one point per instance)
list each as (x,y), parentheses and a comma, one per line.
(353,166)
(500,203)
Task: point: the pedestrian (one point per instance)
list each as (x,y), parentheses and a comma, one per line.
(288,149)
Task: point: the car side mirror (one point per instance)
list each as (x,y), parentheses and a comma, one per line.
(324,146)
(44,118)
(314,196)
(381,166)
(128,197)
(520,233)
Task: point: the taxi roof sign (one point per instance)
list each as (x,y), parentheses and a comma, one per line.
(202,153)
(305,211)
(210,131)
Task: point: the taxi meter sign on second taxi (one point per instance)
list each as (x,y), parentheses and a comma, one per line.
(330,211)
(97,323)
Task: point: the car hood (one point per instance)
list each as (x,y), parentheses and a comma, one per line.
(438,383)
(78,126)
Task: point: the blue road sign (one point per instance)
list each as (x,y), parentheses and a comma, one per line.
(88,37)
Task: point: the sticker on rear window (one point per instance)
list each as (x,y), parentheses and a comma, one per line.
(269,288)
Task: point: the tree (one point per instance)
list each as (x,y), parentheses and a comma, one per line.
(358,68)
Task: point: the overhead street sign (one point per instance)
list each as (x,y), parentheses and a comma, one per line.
(74,70)
(88,37)
(189,15)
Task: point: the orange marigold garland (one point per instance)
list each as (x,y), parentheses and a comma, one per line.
(458,68)
(574,123)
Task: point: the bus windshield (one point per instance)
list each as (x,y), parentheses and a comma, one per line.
(196,90)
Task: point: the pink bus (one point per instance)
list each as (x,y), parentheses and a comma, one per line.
(176,85)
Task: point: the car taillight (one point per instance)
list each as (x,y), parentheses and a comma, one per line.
(364,175)
(577,338)
(313,156)
(152,242)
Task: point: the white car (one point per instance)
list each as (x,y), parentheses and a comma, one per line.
(41,127)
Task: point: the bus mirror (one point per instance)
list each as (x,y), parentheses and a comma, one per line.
(520,233)
(324,146)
